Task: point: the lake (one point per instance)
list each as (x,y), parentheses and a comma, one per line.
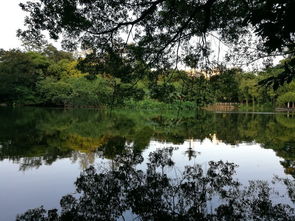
(146,165)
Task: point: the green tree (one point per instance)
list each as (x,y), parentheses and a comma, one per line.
(284,73)
(75,91)
(226,85)
(199,90)
(56,55)
(63,68)
(287,98)
(19,74)
(248,88)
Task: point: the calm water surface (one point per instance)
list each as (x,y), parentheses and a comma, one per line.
(91,164)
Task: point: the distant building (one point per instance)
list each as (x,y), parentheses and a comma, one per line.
(205,73)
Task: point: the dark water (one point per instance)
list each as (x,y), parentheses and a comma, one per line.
(94,165)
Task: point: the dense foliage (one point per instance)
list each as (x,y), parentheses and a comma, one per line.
(55,78)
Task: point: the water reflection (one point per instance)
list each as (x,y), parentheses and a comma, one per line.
(42,143)
(32,137)
(126,192)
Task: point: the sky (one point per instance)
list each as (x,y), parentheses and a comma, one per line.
(11,19)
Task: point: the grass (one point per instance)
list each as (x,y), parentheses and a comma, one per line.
(150,104)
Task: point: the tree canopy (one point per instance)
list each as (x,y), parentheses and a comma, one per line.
(165,30)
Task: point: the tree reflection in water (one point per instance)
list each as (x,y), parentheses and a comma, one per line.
(152,194)
(33,137)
